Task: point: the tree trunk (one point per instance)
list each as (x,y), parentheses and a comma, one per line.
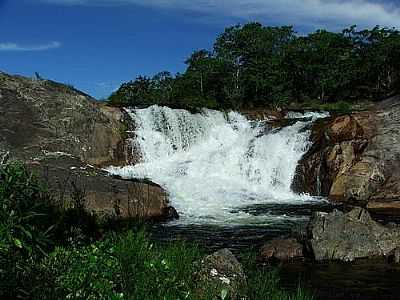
(201,84)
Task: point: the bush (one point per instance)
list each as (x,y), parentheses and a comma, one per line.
(155,271)
(127,266)
(124,266)
(30,226)
(90,272)
(25,227)
(131,266)
(24,211)
(263,282)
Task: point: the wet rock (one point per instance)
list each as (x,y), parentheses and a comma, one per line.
(344,128)
(355,159)
(349,236)
(220,274)
(263,114)
(69,180)
(281,250)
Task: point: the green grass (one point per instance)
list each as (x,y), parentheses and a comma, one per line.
(264,283)
(48,254)
(131,266)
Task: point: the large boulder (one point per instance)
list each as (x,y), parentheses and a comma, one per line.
(221,276)
(349,236)
(41,115)
(61,133)
(355,159)
(70,181)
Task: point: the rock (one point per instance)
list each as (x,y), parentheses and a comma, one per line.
(355,159)
(344,128)
(41,115)
(4,157)
(61,132)
(281,250)
(397,255)
(349,236)
(68,179)
(263,114)
(220,273)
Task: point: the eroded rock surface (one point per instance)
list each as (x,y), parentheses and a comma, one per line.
(65,135)
(355,159)
(69,180)
(39,116)
(352,235)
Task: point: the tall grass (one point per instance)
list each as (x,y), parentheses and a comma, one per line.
(264,282)
(39,261)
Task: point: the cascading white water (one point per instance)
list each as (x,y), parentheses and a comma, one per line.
(214,163)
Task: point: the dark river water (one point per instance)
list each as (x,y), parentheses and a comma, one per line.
(363,280)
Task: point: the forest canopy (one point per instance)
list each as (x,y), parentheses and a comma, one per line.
(253,65)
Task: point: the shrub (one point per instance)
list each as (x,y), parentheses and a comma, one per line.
(263,282)
(24,211)
(90,272)
(25,227)
(127,266)
(156,271)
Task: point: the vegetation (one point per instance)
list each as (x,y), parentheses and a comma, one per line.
(43,255)
(257,66)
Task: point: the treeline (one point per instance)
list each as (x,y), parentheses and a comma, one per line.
(255,66)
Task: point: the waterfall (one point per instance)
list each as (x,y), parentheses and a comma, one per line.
(215,163)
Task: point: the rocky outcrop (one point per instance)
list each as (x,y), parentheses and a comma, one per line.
(38,116)
(60,133)
(355,159)
(281,250)
(71,182)
(352,235)
(221,276)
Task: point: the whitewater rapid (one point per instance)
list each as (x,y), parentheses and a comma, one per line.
(213,164)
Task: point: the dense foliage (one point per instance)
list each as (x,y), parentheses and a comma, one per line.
(42,256)
(30,226)
(253,66)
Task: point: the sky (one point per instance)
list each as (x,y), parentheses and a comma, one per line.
(95,45)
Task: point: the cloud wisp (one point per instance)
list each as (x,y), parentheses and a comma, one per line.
(297,12)
(24,48)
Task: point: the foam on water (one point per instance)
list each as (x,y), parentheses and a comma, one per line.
(214,163)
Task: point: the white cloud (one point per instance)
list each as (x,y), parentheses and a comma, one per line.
(18,47)
(296,12)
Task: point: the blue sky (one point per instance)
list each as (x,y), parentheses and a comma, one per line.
(96,45)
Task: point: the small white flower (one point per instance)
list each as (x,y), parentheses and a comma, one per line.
(225,280)
(214,272)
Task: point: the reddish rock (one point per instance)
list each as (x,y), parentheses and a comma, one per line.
(355,159)
(344,128)
(68,179)
(282,250)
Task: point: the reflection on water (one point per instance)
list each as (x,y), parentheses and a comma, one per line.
(364,280)
(272,220)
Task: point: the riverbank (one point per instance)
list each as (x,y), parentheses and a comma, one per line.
(230,177)
(49,251)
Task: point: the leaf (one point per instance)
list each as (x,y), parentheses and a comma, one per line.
(18,243)
(224,294)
